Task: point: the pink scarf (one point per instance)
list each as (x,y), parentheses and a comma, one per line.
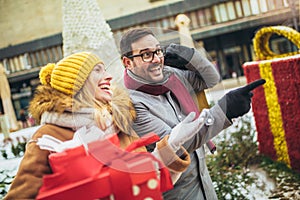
(174,85)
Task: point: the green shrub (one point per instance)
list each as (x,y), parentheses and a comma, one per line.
(236,149)
(5,181)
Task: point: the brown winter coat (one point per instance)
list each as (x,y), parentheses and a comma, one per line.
(34,164)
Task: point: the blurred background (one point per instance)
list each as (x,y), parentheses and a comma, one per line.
(32,34)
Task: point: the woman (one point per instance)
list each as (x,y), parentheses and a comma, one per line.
(77,92)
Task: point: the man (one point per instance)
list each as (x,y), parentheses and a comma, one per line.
(161,85)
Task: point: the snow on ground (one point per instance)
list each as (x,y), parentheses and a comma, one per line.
(12,162)
(263,182)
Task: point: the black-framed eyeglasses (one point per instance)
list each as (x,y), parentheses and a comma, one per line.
(149,55)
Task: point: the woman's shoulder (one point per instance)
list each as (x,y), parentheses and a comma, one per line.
(58,132)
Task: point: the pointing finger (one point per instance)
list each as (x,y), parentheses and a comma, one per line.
(253,85)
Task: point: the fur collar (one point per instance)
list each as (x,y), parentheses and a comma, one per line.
(47,100)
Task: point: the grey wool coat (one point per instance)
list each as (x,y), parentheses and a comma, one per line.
(160,113)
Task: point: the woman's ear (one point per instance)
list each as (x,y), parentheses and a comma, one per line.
(127,62)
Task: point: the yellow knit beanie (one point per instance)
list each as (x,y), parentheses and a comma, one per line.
(70,73)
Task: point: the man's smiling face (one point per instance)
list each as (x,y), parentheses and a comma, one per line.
(150,71)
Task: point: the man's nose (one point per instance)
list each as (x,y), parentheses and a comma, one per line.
(156,58)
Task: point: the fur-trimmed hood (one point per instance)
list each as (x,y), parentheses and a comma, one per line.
(47,99)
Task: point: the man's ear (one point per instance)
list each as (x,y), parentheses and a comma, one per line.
(127,62)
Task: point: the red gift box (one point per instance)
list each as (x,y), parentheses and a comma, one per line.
(105,172)
(276,105)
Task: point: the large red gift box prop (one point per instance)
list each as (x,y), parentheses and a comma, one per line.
(105,172)
(276,105)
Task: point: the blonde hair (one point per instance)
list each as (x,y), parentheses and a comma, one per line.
(86,99)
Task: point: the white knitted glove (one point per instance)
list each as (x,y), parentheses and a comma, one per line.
(186,129)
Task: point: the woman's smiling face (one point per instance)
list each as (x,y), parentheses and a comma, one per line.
(99,83)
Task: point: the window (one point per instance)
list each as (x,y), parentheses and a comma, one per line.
(201,17)
(223,12)
(286,3)
(6,66)
(238,9)
(254,7)
(216,13)
(230,10)
(271,4)
(165,23)
(194,20)
(208,16)
(281,45)
(278,4)
(263,6)
(246,8)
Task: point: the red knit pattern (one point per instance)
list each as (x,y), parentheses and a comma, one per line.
(260,111)
(286,75)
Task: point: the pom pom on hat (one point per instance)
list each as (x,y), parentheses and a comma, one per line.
(45,73)
(70,73)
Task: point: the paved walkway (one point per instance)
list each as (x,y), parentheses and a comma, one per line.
(217,92)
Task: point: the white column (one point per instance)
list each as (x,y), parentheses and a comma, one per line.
(6,99)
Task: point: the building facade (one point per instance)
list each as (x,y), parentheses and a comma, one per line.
(225,28)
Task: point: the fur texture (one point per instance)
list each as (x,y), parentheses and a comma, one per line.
(51,100)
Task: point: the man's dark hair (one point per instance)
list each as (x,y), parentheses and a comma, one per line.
(130,37)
